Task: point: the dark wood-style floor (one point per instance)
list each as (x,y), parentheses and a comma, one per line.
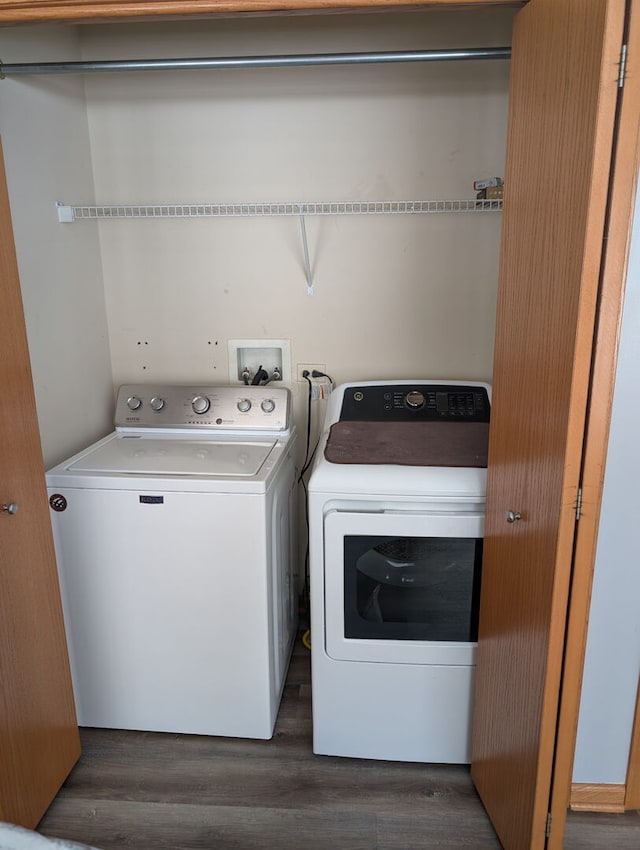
(152,791)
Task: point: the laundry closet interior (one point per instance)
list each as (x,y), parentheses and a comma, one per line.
(393,294)
(371,296)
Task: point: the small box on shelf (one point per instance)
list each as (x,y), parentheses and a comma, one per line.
(491,193)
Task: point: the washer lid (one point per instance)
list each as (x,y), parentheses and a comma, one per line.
(158,456)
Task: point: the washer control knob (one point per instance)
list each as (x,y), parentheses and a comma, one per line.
(134,403)
(414,399)
(244,405)
(200,404)
(268,405)
(157,403)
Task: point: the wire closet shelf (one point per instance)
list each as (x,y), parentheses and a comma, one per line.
(68,213)
(301,210)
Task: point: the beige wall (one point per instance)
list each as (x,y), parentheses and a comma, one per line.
(409,296)
(45,138)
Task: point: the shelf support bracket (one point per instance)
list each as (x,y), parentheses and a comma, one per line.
(305,248)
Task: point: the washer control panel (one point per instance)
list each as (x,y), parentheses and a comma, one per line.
(415,402)
(219,408)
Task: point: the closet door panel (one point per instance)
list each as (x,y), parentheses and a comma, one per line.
(561,123)
(39,740)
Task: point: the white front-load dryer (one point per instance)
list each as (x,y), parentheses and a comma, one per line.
(395,569)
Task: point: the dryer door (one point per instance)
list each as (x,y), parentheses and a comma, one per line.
(402,587)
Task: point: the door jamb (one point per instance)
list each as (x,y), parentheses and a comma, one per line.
(623,187)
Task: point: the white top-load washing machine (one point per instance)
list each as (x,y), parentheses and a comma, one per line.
(174,538)
(396,512)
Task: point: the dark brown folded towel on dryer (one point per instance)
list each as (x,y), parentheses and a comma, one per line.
(409,443)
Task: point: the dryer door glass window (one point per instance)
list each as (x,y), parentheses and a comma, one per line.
(411,588)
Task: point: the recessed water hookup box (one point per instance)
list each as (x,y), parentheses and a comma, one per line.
(246,356)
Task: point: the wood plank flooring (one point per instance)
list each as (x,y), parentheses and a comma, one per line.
(152,791)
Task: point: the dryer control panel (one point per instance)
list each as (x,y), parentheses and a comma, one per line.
(415,403)
(215,408)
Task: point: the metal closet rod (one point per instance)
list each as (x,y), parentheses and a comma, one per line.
(228,62)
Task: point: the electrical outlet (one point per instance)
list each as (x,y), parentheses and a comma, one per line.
(308,367)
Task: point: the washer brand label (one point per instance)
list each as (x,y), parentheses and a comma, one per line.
(151,500)
(58,502)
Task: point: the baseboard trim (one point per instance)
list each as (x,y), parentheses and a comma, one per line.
(586,797)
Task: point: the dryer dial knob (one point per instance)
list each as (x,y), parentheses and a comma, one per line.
(200,404)
(244,405)
(157,403)
(134,403)
(268,405)
(414,399)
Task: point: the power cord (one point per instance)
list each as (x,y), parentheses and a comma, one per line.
(308,459)
(316,374)
(305,466)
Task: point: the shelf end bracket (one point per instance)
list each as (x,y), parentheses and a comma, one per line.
(65,213)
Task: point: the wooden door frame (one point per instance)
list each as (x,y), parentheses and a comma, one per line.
(623,190)
(38,11)
(632,796)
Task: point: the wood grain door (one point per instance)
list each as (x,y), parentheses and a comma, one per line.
(39,741)
(563,101)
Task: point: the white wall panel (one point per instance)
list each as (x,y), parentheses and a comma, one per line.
(45,137)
